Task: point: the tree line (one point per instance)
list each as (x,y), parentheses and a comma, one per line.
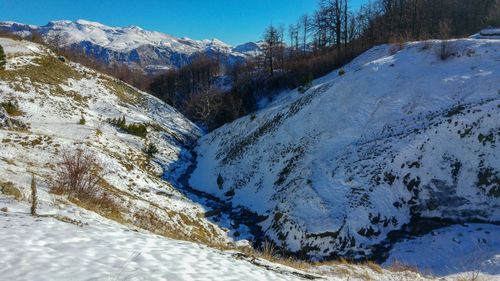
(314,46)
(293,56)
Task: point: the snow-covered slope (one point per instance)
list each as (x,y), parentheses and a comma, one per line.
(131,45)
(52,96)
(401,137)
(68,242)
(65,240)
(453,250)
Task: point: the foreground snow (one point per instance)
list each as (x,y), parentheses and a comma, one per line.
(453,250)
(48,249)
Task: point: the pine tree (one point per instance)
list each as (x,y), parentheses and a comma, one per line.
(150,150)
(2,58)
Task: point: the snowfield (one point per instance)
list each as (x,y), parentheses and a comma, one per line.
(459,248)
(50,249)
(404,142)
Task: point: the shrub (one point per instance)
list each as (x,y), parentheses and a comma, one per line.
(220,181)
(82,121)
(139,130)
(79,173)
(426,45)
(341,72)
(150,150)
(306,83)
(8,188)
(445,50)
(11,108)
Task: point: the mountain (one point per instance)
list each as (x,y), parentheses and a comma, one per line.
(401,141)
(148,50)
(135,232)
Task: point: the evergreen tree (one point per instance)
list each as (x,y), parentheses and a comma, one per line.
(2,58)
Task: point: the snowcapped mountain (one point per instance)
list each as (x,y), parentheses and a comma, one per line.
(131,45)
(400,144)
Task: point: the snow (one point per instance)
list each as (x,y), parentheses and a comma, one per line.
(488,33)
(45,248)
(65,241)
(328,143)
(123,39)
(453,251)
(319,164)
(53,113)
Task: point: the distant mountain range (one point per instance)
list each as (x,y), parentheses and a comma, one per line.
(148,50)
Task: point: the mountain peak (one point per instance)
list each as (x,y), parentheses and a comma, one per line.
(89,23)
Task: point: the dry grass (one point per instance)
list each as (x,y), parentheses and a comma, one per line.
(102,203)
(12,108)
(124,92)
(45,70)
(375,267)
(8,188)
(400,267)
(445,50)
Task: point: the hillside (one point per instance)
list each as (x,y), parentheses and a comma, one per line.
(139,236)
(50,97)
(148,50)
(401,144)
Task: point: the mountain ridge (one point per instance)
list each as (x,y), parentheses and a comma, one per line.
(130,45)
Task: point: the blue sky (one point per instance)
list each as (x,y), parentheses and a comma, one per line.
(232,21)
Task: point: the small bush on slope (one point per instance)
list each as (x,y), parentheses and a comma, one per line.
(139,130)
(150,150)
(79,174)
(82,121)
(11,108)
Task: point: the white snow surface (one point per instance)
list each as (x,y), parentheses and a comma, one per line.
(46,248)
(336,169)
(453,250)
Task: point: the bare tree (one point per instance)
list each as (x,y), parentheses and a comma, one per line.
(304,23)
(204,108)
(272,42)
